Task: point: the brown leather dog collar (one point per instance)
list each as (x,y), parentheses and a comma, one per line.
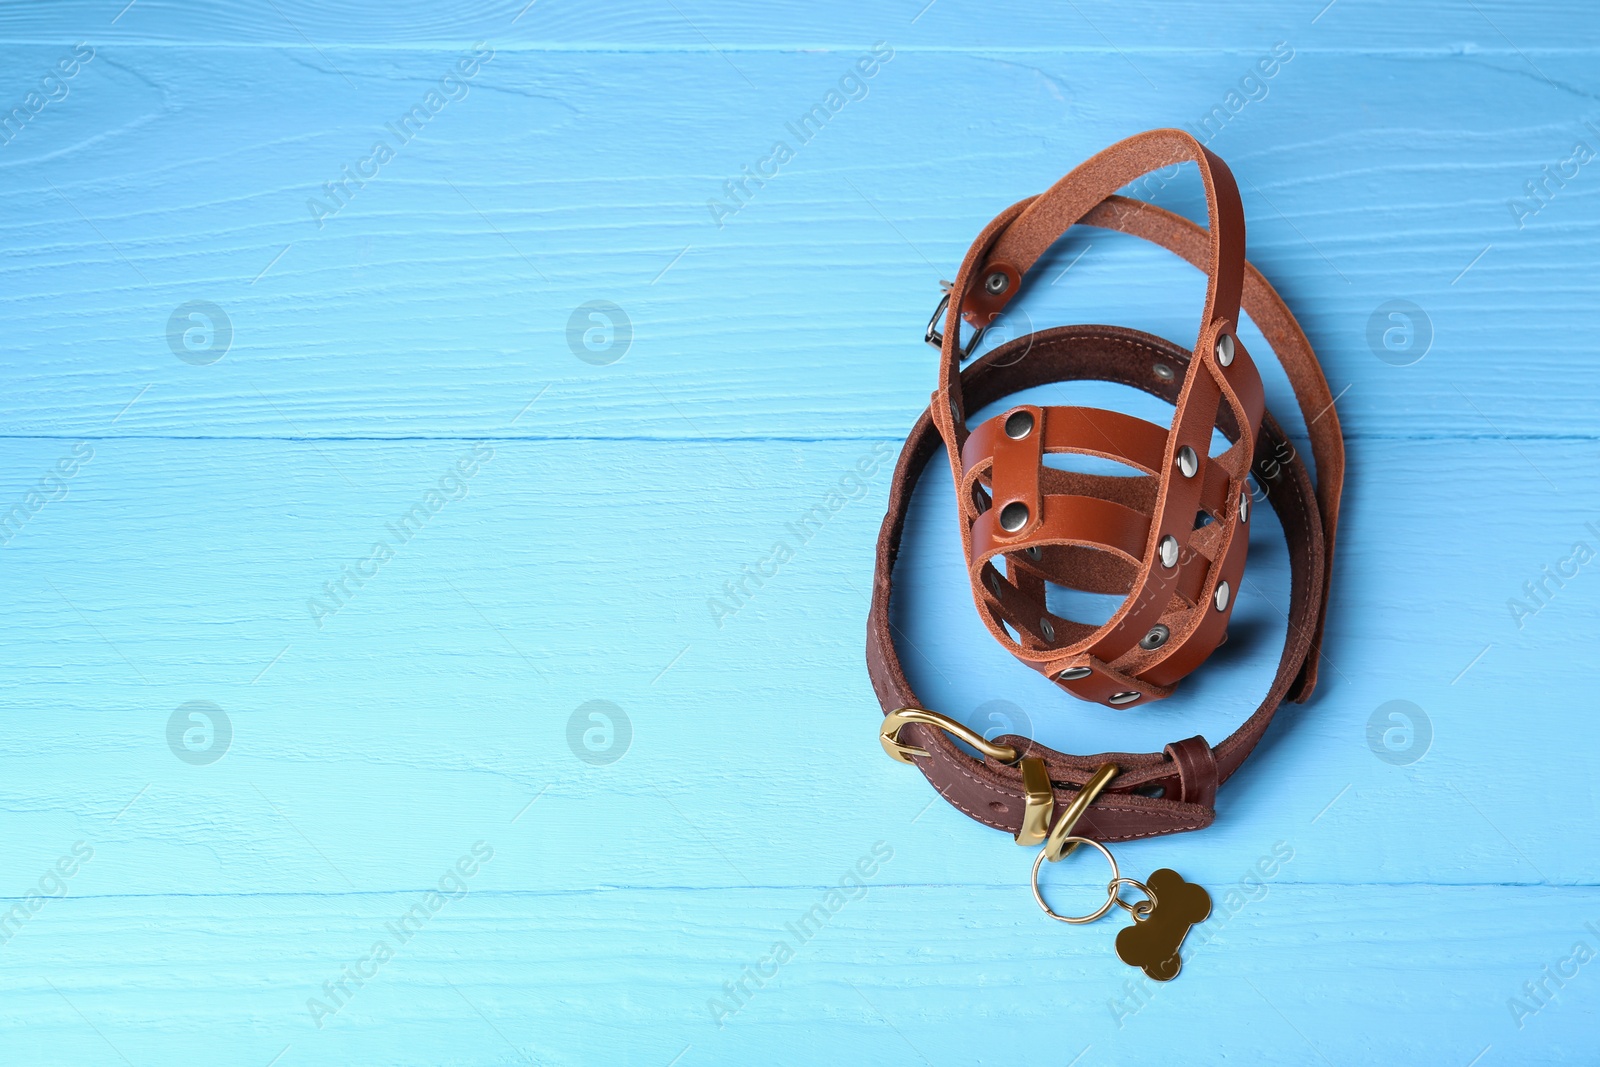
(1135,536)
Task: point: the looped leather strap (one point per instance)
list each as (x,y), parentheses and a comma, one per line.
(1177,580)
(1156,793)
(1197,771)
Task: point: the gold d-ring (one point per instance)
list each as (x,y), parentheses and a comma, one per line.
(888,735)
(1060,842)
(1111,896)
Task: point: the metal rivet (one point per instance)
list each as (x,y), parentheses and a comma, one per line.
(996,282)
(1244,506)
(994,582)
(1225,349)
(1014,516)
(1072,674)
(1047,628)
(1188,462)
(955,416)
(1164,372)
(1034,552)
(1122,698)
(1221,598)
(1155,638)
(1019,424)
(1168,549)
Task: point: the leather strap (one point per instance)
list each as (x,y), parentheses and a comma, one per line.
(1180,579)
(1155,793)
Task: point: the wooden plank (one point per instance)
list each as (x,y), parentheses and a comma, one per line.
(438,300)
(628,975)
(437,700)
(1144,26)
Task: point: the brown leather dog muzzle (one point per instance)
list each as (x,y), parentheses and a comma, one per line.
(1171,541)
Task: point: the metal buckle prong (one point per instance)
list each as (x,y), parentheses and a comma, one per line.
(888,735)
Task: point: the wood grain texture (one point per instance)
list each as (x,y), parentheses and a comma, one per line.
(403,536)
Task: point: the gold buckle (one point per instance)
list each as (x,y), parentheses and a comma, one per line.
(1039,798)
(888,735)
(1040,802)
(1061,842)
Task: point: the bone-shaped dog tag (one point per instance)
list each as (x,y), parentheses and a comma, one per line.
(1152,942)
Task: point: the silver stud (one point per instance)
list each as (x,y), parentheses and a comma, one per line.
(1225,349)
(1168,549)
(1034,552)
(1014,516)
(1122,698)
(955,415)
(1072,674)
(1164,372)
(1047,628)
(1019,424)
(1155,638)
(996,282)
(994,582)
(1221,599)
(1188,462)
(1244,506)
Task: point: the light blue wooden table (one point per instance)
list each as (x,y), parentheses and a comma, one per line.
(392,398)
